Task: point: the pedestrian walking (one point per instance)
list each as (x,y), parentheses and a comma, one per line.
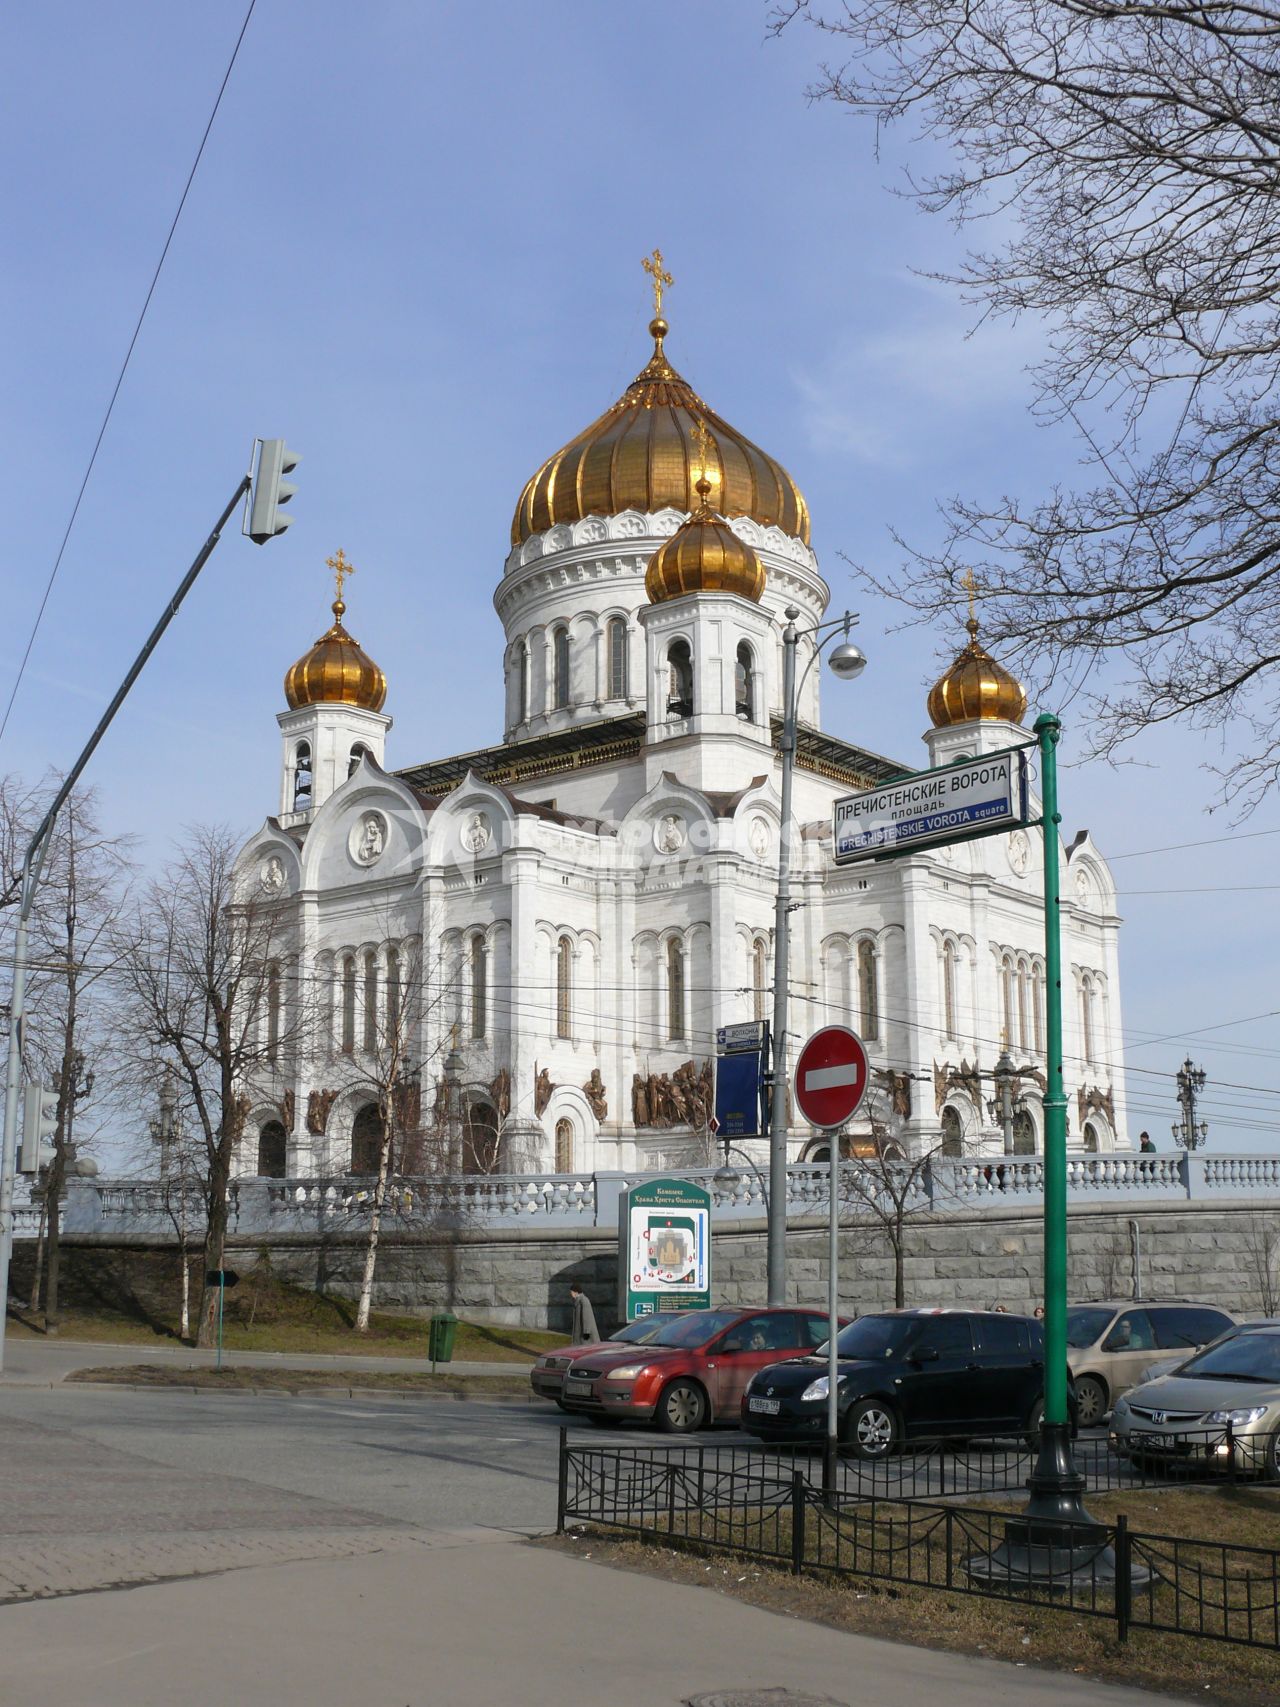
(584,1330)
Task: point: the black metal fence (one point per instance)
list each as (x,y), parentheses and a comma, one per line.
(918,1529)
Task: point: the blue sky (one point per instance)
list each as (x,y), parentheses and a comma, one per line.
(413,249)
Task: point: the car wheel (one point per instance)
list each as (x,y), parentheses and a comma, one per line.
(1035,1420)
(1271,1467)
(1091,1400)
(871,1429)
(682,1409)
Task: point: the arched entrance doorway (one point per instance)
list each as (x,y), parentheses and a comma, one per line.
(952,1133)
(366,1140)
(273,1146)
(1024,1134)
(564,1146)
(480,1139)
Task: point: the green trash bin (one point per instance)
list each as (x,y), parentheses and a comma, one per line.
(441,1334)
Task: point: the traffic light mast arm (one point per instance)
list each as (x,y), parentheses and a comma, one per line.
(31,866)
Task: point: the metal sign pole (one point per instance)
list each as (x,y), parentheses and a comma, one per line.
(833,1315)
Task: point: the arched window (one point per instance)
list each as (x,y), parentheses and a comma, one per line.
(393,995)
(949,988)
(1024,1004)
(618,658)
(366,1141)
(348,1004)
(564,988)
(1037,1007)
(675,990)
(480,1139)
(370,1003)
(560,668)
(744,683)
(273,1011)
(273,1144)
(564,1146)
(479,987)
(868,1006)
(1086,1015)
(759,974)
(358,752)
(1006,1001)
(302,777)
(680,679)
(522,680)
(952,1135)
(1090,1138)
(1024,1133)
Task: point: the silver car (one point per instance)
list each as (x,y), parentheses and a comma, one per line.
(1221,1408)
(1111,1343)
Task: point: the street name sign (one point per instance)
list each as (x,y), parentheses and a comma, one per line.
(971,798)
(664,1248)
(748,1034)
(831,1076)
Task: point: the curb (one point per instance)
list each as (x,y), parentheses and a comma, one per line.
(402,1393)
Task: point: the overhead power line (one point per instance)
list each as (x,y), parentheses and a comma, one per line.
(124,368)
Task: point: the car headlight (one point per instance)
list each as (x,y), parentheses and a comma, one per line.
(817,1389)
(1239,1419)
(628,1372)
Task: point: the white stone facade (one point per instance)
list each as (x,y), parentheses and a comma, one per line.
(592,899)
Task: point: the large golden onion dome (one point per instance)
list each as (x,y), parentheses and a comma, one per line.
(704,555)
(336,671)
(976,688)
(641,455)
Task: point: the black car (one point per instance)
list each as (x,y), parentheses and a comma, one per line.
(907,1373)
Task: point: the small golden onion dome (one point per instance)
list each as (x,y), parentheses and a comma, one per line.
(975,688)
(704,555)
(641,455)
(336,672)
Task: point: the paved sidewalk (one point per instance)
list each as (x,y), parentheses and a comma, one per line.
(461,1620)
(44,1363)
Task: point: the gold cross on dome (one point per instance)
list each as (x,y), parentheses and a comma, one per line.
(341,569)
(969,583)
(705,443)
(653,266)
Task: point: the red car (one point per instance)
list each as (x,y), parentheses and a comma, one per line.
(693,1372)
(547,1375)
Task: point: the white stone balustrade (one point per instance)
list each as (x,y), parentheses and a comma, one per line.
(268,1208)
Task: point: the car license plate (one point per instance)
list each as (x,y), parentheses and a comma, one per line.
(770,1407)
(579,1388)
(1144,1437)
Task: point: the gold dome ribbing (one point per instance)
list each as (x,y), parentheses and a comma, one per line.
(641,455)
(335,671)
(704,555)
(976,688)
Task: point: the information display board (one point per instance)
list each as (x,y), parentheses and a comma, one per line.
(972,797)
(664,1248)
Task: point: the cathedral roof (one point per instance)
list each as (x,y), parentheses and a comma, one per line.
(642,455)
(704,555)
(336,671)
(976,688)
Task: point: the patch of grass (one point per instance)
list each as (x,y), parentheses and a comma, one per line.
(266,1313)
(241,1379)
(998,1628)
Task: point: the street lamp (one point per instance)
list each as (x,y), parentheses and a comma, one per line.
(1188,1132)
(1005,1074)
(847,661)
(727,1178)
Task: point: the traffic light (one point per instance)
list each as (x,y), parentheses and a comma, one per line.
(270,490)
(39,1122)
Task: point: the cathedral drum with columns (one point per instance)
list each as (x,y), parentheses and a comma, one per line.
(520,956)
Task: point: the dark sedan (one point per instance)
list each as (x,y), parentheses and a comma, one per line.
(906,1373)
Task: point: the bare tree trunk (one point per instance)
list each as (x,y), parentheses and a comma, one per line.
(55,1263)
(375,1230)
(38,1275)
(184,1321)
(899,1266)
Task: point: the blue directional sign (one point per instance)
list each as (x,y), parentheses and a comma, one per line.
(738,1095)
(973,797)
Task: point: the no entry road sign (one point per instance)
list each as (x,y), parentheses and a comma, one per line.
(831,1076)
